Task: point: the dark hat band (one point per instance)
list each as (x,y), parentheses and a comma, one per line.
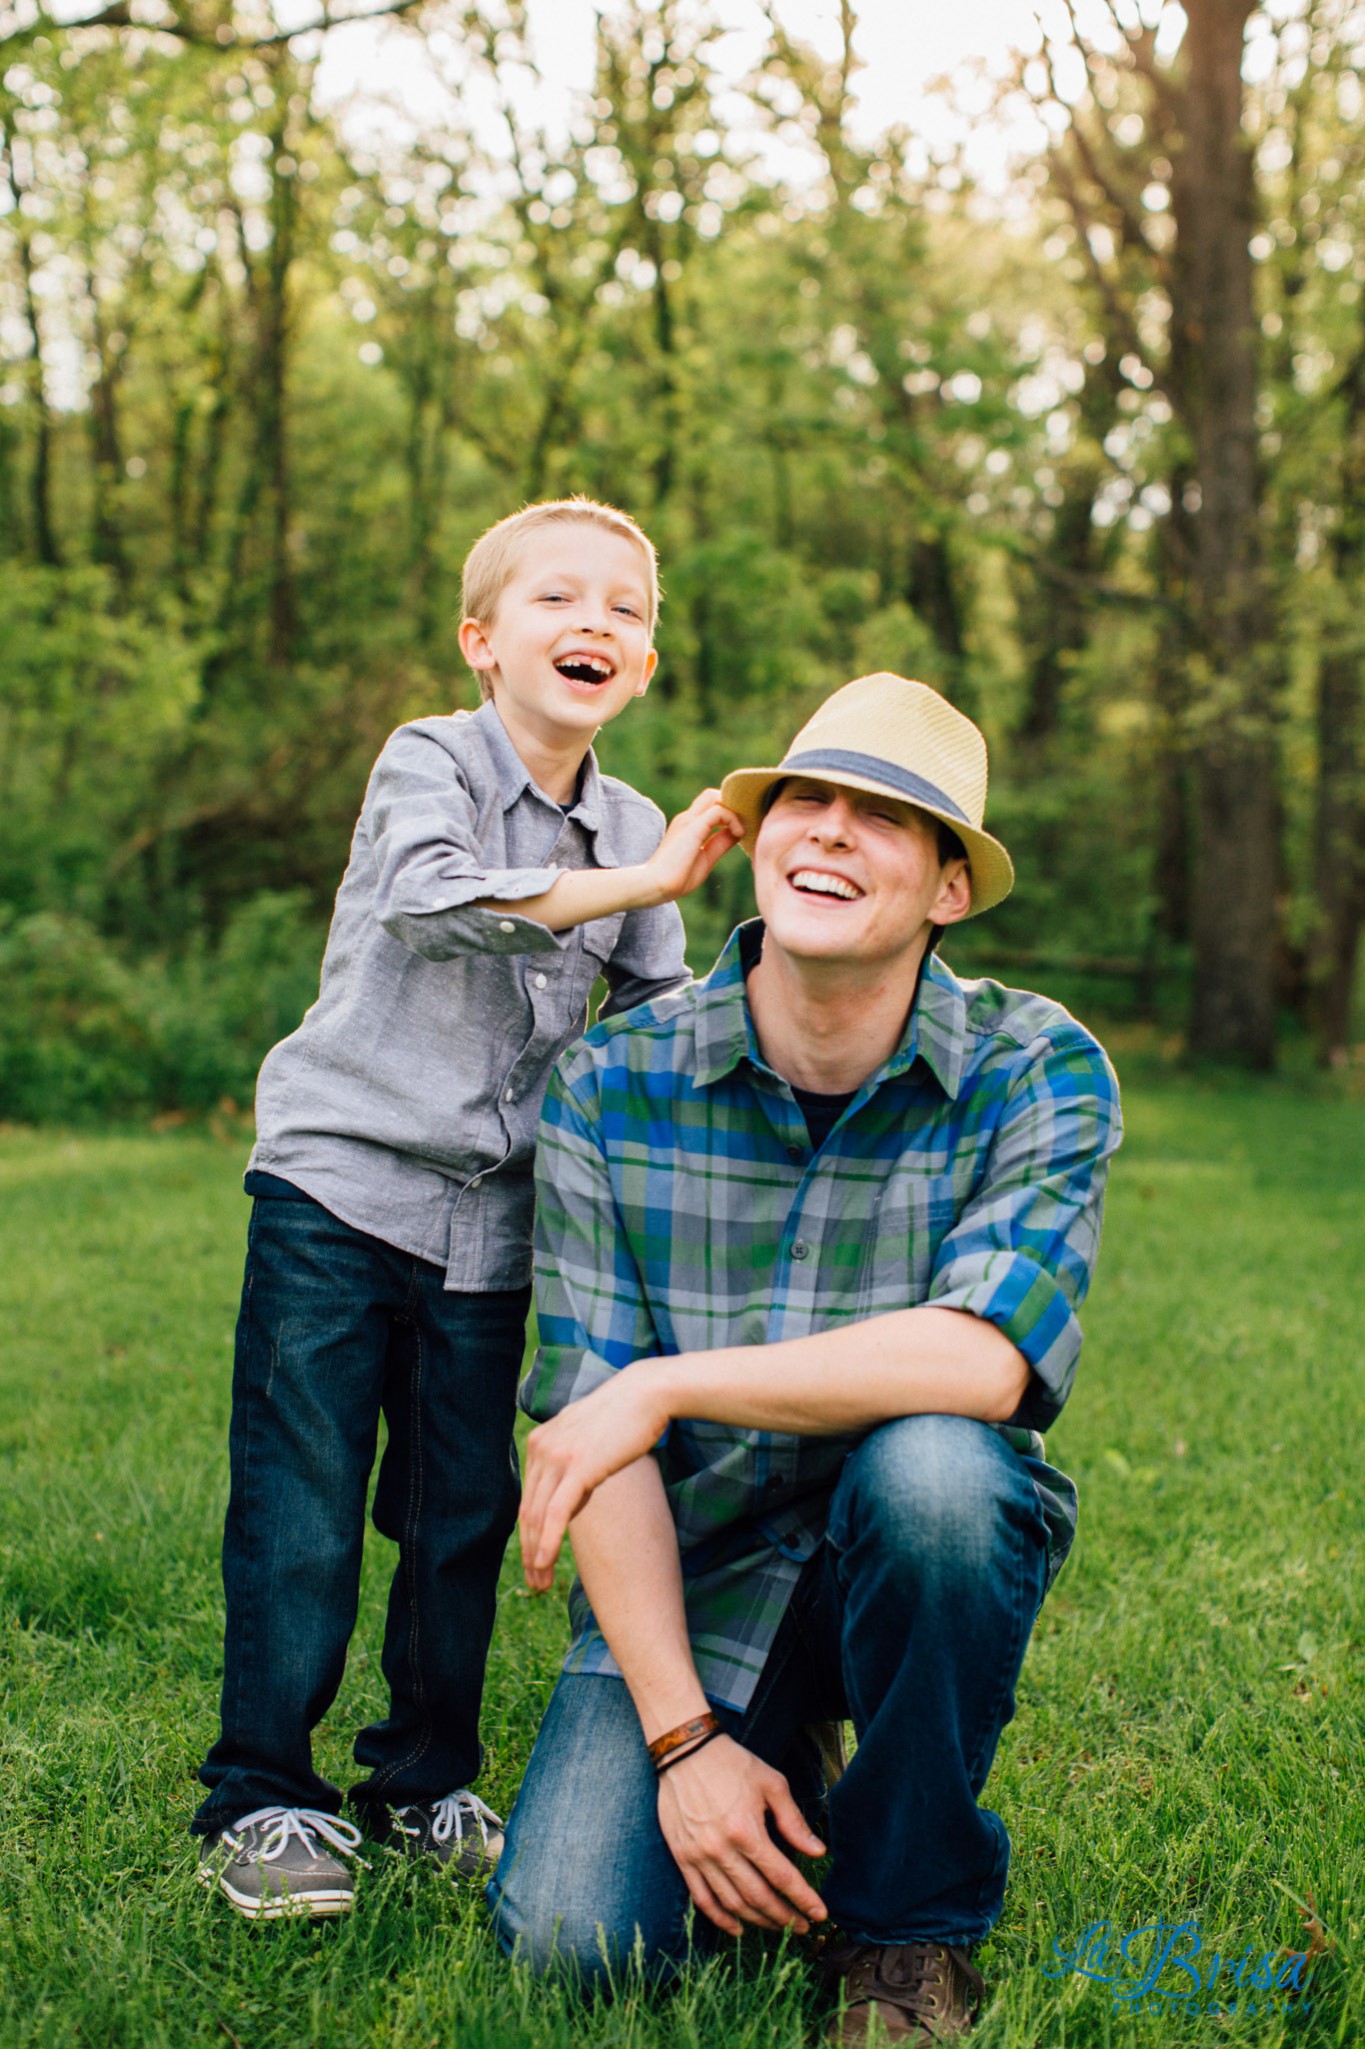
(842,761)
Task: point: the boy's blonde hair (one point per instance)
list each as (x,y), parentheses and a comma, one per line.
(491,561)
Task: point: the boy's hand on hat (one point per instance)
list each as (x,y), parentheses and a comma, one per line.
(691,847)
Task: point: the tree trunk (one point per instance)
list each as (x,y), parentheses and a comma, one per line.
(429,371)
(11,532)
(275,339)
(1062,609)
(666,389)
(931,592)
(1063,623)
(420,368)
(1172,857)
(1233,912)
(106,451)
(40,474)
(184,413)
(1339,856)
(1339,823)
(263,496)
(219,361)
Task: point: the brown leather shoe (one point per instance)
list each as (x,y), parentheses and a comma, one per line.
(919,1991)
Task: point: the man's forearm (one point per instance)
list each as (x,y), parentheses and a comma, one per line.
(908,1362)
(903,1363)
(717,1806)
(626,1549)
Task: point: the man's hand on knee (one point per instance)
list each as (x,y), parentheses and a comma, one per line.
(713,1810)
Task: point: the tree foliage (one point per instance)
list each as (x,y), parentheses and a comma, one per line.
(264,383)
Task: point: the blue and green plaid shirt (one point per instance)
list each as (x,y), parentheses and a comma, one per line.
(681,1207)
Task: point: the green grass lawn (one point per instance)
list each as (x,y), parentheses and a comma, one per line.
(1188,1741)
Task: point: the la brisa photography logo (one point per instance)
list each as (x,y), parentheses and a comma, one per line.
(1168,1967)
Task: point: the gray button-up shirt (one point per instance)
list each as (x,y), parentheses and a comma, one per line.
(407,1100)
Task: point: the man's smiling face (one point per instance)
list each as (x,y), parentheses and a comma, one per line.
(843,875)
(569,643)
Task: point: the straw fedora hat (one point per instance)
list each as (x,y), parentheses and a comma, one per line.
(894,738)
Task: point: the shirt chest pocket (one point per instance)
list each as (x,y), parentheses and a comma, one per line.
(913,1214)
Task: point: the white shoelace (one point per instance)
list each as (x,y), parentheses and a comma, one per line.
(449,1816)
(306,1823)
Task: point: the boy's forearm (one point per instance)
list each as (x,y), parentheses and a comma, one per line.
(580,894)
(626,1549)
(684,857)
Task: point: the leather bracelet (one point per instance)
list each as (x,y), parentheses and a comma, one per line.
(681,1756)
(673,1739)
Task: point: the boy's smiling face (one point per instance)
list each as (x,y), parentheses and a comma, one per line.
(569,643)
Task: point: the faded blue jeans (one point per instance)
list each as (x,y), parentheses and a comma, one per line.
(913,1619)
(335,1328)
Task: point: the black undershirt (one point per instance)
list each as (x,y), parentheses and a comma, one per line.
(821,1112)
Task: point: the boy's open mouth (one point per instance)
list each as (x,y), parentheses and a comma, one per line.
(583,668)
(817,882)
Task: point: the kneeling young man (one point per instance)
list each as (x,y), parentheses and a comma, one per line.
(812,1236)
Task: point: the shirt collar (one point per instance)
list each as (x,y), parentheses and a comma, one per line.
(514,778)
(588,809)
(725,1032)
(936,1031)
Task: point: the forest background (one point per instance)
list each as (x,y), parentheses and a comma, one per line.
(1084,448)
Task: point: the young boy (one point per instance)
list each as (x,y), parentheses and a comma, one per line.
(494,874)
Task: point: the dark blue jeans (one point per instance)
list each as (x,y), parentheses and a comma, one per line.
(913,1619)
(335,1328)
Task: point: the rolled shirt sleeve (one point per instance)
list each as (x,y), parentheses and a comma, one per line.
(1021,1252)
(426,835)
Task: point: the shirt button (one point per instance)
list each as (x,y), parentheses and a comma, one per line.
(794,1152)
(541,981)
(510,1096)
(800,1249)
(506,925)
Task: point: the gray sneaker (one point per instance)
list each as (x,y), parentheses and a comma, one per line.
(460,1832)
(279,1861)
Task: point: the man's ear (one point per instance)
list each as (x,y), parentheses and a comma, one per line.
(475,646)
(954,899)
(651,664)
